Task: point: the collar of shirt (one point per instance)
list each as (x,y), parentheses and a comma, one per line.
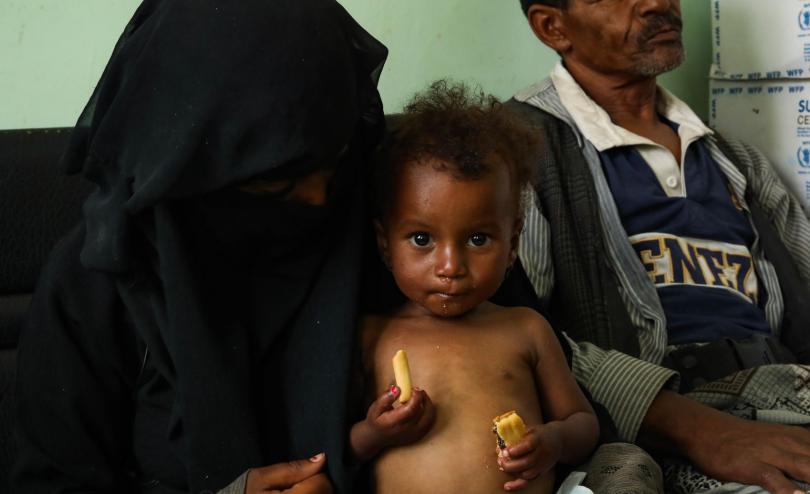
(597,127)
(638,292)
(595,123)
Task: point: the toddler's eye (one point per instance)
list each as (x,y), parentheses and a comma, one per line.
(479,239)
(420,239)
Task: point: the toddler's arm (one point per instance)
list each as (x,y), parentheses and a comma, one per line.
(571,430)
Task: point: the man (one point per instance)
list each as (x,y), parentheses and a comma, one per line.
(669,256)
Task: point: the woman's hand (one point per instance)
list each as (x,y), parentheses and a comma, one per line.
(294,477)
(534,455)
(387,426)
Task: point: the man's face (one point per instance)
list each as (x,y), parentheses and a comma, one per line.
(629,37)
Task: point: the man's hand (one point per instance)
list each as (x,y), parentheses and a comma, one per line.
(534,455)
(729,448)
(386,426)
(295,477)
(753,453)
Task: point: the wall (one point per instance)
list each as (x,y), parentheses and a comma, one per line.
(53,51)
(489,42)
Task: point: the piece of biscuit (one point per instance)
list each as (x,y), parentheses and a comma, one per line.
(509,429)
(402,374)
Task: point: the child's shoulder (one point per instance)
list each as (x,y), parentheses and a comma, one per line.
(523,319)
(524,315)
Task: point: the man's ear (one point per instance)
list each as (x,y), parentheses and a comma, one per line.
(517,229)
(548,25)
(382,243)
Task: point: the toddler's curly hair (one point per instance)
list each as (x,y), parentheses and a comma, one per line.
(464,131)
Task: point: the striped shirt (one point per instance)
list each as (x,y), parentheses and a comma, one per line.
(623,384)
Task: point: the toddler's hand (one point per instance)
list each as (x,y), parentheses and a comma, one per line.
(387,426)
(402,425)
(534,455)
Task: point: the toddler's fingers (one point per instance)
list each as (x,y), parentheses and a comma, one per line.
(405,413)
(533,473)
(519,465)
(415,405)
(385,401)
(429,410)
(427,414)
(515,485)
(526,445)
(527,467)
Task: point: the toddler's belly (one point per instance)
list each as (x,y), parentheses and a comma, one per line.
(458,457)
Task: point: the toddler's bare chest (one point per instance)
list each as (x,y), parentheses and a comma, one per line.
(459,366)
(470,380)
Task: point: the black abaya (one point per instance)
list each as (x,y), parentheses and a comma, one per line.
(187,331)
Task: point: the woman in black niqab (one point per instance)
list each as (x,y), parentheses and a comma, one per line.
(189,330)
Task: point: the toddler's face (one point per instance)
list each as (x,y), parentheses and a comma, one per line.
(449,242)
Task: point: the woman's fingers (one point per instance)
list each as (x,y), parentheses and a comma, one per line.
(317,484)
(283,475)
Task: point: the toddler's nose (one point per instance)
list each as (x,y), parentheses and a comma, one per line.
(451,263)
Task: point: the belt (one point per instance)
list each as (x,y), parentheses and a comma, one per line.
(699,364)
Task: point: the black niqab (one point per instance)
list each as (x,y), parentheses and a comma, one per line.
(246,304)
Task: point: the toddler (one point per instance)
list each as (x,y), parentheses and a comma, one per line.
(447,228)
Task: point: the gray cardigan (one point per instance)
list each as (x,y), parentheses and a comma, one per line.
(627,382)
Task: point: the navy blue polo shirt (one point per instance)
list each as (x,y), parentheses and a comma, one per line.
(695,248)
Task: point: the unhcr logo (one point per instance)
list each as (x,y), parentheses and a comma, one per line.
(803,154)
(804,20)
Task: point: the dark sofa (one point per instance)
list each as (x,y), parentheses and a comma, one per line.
(38,205)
